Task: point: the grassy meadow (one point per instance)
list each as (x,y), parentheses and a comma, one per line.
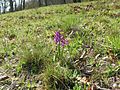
(30,59)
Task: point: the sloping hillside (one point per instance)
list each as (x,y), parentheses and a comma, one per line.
(61,47)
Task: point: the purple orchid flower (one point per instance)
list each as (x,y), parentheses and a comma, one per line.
(64,42)
(58,38)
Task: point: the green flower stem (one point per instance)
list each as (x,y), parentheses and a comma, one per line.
(59,51)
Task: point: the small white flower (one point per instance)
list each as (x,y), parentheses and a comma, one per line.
(114,85)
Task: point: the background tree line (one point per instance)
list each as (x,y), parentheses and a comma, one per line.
(16,5)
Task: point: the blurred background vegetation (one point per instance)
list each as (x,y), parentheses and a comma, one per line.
(16,5)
